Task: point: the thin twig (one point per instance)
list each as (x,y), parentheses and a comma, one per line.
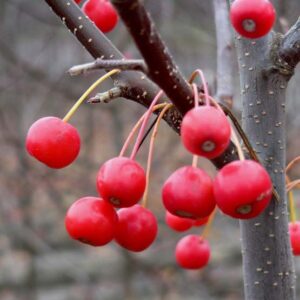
(109,64)
(107,96)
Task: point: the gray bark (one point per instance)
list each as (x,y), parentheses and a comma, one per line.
(224,53)
(267,259)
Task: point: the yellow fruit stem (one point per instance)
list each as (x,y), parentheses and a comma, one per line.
(207,228)
(150,153)
(293,216)
(87,92)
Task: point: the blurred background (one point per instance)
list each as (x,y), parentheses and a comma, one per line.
(38,261)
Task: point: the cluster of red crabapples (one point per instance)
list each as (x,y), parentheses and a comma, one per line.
(101,12)
(242,189)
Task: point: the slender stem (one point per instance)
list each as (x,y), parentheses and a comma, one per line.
(196,94)
(208,225)
(136,126)
(292,207)
(215,102)
(292,185)
(195,161)
(150,153)
(200,73)
(87,92)
(291,163)
(293,216)
(145,121)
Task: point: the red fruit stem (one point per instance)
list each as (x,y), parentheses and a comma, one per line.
(208,225)
(195,161)
(214,101)
(200,73)
(196,94)
(145,121)
(150,153)
(136,126)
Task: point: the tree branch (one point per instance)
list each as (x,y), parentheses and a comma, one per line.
(289,50)
(107,96)
(134,86)
(162,69)
(110,64)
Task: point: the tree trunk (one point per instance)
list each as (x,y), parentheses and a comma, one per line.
(267,259)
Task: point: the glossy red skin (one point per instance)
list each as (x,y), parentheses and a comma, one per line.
(136,229)
(242,183)
(102,13)
(121,181)
(201,221)
(53,142)
(192,252)
(178,224)
(294,229)
(188,192)
(205,124)
(261,12)
(77,1)
(92,221)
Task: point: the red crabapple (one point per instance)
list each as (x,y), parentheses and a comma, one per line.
(192,252)
(252,19)
(121,181)
(205,131)
(294,229)
(242,189)
(92,221)
(102,13)
(188,192)
(53,142)
(136,229)
(178,223)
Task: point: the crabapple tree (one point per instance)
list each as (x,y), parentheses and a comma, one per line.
(267,61)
